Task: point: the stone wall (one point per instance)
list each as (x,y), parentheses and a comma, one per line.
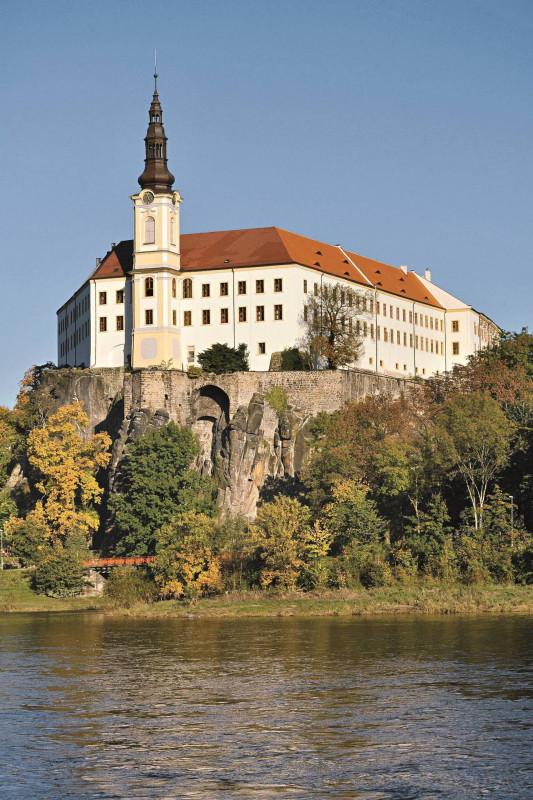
(310,392)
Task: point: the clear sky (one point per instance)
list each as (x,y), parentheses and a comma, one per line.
(402,130)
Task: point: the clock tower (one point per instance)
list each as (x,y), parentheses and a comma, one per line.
(156,251)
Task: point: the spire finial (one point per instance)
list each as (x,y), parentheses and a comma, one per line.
(155,69)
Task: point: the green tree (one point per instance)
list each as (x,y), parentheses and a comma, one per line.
(60,572)
(474,436)
(155,483)
(220,358)
(428,538)
(353,518)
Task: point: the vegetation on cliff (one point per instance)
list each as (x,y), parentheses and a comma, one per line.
(435,486)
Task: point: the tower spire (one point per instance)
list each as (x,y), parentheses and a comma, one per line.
(156,175)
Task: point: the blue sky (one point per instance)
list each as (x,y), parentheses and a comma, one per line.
(403,130)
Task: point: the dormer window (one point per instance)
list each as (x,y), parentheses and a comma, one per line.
(149,230)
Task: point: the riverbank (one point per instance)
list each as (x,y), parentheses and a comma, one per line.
(424,597)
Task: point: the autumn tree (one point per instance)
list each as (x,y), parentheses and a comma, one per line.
(333,320)
(186,565)
(474,436)
(281,528)
(67,457)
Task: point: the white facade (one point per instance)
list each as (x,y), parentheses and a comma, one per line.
(262,307)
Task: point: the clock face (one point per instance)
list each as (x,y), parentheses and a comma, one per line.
(147,198)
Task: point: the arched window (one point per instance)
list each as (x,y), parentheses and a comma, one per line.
(148,287)
(172,230)
(187,288)
(149,230)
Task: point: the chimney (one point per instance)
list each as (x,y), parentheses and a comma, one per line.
(113,244)
(427,274)
(98,262)
(404,269)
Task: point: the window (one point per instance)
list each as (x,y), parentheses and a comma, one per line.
(384,309)
(223,289)
(148,287)
(398,313)
(371,330)
(405,340)
(206,317)
(455,348)
(224,315)
(411,317)
(398,337)
(260,313)
(242,313)
(305,313)
(174,317)
(370,360)
(305,287)
(190,355)
(187,289)
(187,318)
(403,315)
(371,306)
(260,286)
(416,318)
(120,323)
(102,299)
(455,326)
(315,289)
(206,290)
(172,230)
(410,340)
(103,324)
(261,348)
(241,287)
(278,284)
(149,316)
(377,306)
(397,366)
(278,312)
(385,334)
(173,287)
(149,230)
(120,296)
(381,363)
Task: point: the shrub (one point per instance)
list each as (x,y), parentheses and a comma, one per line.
(277,399)
(220,358)
(127,586)
(59,573)
(25,541)
(293,360)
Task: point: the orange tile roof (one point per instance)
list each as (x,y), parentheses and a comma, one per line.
(270,246)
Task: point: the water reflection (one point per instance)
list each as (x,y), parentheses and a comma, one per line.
(346,708)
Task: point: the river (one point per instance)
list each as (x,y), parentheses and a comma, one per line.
(94,706)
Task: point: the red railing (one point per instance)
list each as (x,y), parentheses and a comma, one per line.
(126,561)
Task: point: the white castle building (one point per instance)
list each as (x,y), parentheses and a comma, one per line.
(164,296)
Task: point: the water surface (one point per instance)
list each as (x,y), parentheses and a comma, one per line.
(100,707)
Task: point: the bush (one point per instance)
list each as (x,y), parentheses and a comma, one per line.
(277,399)
(127,586)
(60,573)
(220,358)
(293,360)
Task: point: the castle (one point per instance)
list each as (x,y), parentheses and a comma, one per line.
(164,297)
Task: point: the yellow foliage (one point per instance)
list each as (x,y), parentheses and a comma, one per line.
(67,458)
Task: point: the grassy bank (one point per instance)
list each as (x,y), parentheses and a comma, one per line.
(423,597)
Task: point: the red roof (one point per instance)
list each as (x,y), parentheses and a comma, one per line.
(252,247)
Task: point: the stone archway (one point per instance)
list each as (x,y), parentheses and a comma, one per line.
(211,414)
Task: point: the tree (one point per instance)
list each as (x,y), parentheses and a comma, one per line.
(220,358)
(67,458)
(155,482)
(352,517)
(281,527)
(474,437)
(427,536)
(332,324)
(60,573)
(8,439)
(186,564)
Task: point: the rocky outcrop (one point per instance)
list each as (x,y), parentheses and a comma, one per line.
(256,445)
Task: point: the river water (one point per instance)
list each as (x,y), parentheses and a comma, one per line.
(102,707)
